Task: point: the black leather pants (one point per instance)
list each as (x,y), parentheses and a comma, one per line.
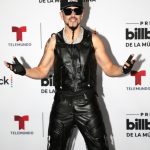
(80,110)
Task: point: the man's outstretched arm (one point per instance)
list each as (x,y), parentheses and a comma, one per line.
(42,70)
(105,62)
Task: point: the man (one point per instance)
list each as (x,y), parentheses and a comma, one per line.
(74,52)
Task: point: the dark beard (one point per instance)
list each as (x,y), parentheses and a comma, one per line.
(73,28)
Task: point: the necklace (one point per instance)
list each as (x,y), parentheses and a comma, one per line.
(77,40)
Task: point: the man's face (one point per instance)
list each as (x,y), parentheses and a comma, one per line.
(72,16)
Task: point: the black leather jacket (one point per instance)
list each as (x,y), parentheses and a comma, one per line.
(75,64)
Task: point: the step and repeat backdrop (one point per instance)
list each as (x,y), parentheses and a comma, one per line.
(25,104)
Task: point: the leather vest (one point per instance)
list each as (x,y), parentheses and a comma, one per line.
(74,64)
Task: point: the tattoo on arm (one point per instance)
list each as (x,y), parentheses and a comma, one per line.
(45,50)
(47,43)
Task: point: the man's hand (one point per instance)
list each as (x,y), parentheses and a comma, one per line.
(16,67)
(128,65)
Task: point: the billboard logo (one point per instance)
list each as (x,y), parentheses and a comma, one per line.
(138,125)
(48,83)
(21,121)
(137,34)
(138,76)
(19,31)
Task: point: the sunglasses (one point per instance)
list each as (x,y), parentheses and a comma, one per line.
(77,11)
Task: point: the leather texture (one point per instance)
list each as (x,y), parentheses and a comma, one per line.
(76,110)
(75,102)
(75,64)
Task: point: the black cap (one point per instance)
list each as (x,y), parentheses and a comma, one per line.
(69,3)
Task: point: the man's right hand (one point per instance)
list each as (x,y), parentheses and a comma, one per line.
(16,67)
